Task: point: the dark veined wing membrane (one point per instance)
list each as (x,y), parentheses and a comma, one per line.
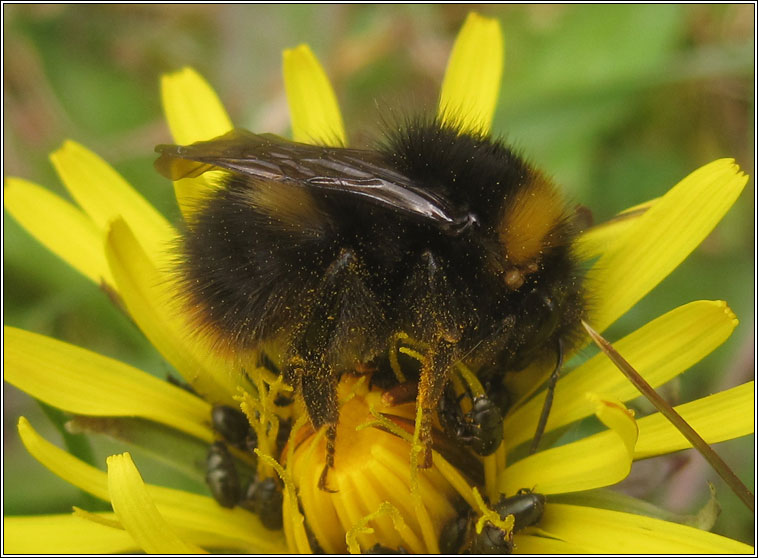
(332,169)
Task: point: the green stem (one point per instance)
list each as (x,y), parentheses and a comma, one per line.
(675,418)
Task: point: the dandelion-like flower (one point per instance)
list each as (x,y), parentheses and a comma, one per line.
(382,497)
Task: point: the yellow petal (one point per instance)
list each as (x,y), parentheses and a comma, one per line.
(659,351)
(151,302)
(593,462)
(472,79)
(616,417)
(221,527)
(202,539)
(722,416)
(194,113)
(189,191)
(662,238)
(137,513)
(63,534)
(80,381)
(62,464)
(235,528)
(61,227)
(104,195)
(314,111)
(530,544)
(604,236)
(107,519)
(600,531)
(192,108)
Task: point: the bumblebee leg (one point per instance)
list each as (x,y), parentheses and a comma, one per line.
(333,331)
(318,385)
(434,376)
(548,400)
(439,319)
(331,438)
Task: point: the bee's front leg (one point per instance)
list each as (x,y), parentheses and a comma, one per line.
(339,324)
(439,318)
(317,381)
(434,376)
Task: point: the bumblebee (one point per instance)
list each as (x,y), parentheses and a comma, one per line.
(324,254)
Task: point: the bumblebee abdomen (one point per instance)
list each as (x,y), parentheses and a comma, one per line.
(250,254)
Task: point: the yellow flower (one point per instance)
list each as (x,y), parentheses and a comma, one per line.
(116,239)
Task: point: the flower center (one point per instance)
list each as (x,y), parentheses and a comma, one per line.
(378,498)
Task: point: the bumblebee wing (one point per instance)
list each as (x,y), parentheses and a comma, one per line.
(329,169)
(237,150)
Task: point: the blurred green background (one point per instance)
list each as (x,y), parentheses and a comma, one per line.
(616,102)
